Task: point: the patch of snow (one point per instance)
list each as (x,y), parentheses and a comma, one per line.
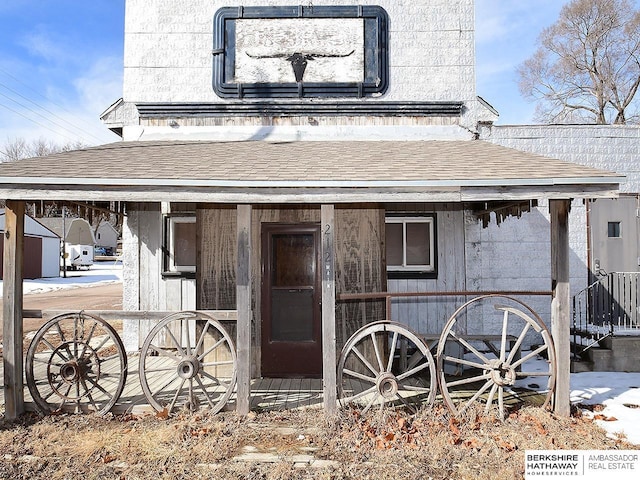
(618,392)
(100,273)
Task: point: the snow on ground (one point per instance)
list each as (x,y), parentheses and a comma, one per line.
(617,392)
(100,273)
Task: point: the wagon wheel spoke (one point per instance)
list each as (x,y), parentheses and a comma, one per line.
(516,346)
(164,353)
(462,361)
(397,382)
(467,381)
(492,392)
(211,349)
(216,380)
(359,376)
(413,371)
(530,356)
(359,395)
(392,351)
(376,349)
(73,373)
(504,357)
(172,404)
(475,397)
(470,347)
(205,371)
(370,404)
(501,409)
(365,361)
(204,391)
(89,396)
(88,340)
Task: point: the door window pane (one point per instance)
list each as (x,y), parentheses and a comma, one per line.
(293,260)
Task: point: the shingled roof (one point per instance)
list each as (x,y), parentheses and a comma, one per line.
(261,171)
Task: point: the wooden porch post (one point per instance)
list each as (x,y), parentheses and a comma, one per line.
(561,302)
(243,299)
(12,310)
(327,218)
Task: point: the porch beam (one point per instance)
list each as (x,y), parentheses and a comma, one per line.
(243,299)
(561,302)
(12,331)
(329,383)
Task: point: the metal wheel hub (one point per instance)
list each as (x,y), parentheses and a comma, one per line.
(188,367)
(387,385)
(71,371)
(502,373)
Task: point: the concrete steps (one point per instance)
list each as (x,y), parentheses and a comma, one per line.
(613,354)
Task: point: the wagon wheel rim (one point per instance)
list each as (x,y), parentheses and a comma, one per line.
(76,362)
(371,372)
(176,373)
(500,378)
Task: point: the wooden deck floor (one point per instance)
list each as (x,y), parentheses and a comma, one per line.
(267,394)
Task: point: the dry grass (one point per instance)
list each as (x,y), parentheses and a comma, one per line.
(380,445)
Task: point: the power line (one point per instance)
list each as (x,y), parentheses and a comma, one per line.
(50,112)
(33,111)
(38,94)
(37,123)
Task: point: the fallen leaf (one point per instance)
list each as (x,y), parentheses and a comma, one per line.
(163,414)
(604,418)
(453,427)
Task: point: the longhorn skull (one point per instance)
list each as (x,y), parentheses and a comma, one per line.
(299,60)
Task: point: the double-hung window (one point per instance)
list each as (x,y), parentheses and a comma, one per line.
(410,244)
(180,244)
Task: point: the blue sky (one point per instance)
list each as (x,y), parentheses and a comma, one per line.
(61,63)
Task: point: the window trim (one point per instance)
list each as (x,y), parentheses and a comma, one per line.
(404,271)
(169,267)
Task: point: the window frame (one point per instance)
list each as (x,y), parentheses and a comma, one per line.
(168,245)
(404,271)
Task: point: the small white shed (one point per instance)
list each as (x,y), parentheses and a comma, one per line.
(42,249)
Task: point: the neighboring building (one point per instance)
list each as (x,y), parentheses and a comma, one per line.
(606,232)
(78,240)
(106,237)
(42,249)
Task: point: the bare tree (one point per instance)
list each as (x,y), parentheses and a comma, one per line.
(19,148)
(587,65)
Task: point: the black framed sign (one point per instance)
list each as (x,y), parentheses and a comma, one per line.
(298,51)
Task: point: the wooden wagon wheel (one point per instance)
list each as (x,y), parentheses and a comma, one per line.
(384,363)
(76,362)
(188,361)
(507,370)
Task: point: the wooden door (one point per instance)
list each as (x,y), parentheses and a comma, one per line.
(291,297)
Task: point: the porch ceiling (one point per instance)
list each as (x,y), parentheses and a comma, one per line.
(301,172)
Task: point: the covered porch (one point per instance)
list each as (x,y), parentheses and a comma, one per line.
(325,175)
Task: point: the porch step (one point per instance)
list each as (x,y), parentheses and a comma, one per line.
(611,354)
